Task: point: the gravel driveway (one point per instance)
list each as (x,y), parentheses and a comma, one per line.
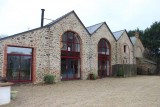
(140,91)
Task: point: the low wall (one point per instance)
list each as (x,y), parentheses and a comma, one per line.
(129,69)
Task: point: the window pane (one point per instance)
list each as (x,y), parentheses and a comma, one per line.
(63,68)
(13,65)
(25,71)
(70,47)
(107,53)
(77,47)
(19,50)
(103,50)
(64,37)
(76,38)
(70,37)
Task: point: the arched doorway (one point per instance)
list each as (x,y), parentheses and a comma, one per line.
(70,56)
(103,58)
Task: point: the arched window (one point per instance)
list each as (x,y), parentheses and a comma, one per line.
(70,56)
(103,47)
(70,42)
(103,58)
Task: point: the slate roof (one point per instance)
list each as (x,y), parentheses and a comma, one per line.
(133,39)
(118,34)
(60,18)
(144,60)
(94,28)
(48,25)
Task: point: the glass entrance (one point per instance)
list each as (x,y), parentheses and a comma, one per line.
(70,68)
(103,68)
(19,61)
(70,56)
(103,58)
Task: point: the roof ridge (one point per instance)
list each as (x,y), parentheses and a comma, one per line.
(119,31)
(95,24)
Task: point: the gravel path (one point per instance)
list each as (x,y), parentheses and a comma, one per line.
(140,91)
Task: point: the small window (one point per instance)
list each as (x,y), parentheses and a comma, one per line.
(125,48)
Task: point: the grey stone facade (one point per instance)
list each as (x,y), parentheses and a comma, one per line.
(46,41)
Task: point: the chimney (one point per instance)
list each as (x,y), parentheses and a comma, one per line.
(137,34)
(42,17)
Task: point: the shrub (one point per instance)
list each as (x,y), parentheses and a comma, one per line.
(120,72)
(49,79)
(92,76)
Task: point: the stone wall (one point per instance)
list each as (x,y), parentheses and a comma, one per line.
(46,45)
(124,40)
(69,23)
(102,32)
(36,39)
(47,52)
(138,48)
(145,68)
(128,69)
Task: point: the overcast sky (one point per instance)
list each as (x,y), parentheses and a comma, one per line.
(21,15)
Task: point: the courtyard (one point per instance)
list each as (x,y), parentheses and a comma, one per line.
(139,91)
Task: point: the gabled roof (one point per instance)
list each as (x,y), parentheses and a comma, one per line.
(133,39)
(50,24)
(118,34)
(94,28)
(60,18)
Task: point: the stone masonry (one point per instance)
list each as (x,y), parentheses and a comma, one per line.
(124,40)
(102,32)
(45,42)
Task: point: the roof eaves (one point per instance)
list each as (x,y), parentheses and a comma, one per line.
(81,23)
(120,35)
(58,19)
(129,37)
(22,33)
(110,30)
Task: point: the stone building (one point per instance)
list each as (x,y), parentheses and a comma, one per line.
(137,45)
(102,49)
(65,48)
(124,48)
(144,65)
(124,55)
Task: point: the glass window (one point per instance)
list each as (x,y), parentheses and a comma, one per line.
(70,42)
(19,50)
(19,64)
(103,47)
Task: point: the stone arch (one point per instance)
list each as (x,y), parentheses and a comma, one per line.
(104,58)
(70,55)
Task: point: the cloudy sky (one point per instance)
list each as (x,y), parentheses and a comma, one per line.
(20,15)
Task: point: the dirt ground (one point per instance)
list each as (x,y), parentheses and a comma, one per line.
(140,91)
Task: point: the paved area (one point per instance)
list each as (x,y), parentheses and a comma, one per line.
(140,91)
